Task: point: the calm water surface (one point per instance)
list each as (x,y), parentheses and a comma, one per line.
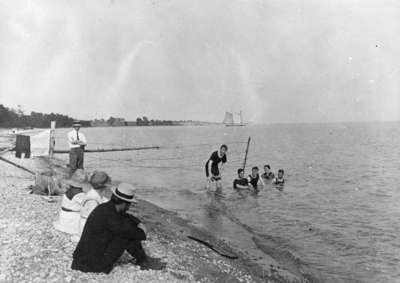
(338,212)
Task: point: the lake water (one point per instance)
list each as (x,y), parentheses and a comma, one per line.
(338,212)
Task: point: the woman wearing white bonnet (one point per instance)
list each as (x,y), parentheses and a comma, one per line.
(71,203)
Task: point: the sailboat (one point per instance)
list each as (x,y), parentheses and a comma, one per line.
(229,122)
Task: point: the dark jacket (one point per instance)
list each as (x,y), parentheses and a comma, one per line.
(103,227)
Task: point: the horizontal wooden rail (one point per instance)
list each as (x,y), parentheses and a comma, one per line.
(111,149)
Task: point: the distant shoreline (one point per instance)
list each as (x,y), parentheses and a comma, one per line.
(154,124)
(178,124)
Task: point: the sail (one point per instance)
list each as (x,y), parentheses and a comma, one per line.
(228,118)
(240,116)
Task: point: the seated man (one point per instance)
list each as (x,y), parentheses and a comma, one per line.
(241,182)
(109,231)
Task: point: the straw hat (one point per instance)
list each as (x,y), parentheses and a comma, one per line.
(125,192)
(79,180)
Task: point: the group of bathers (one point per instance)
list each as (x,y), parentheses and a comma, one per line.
(254,180)
(218,158)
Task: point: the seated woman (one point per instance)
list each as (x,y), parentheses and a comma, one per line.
(68,220)
(100,182)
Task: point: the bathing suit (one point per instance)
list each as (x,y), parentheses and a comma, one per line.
(279,181)
(268,176)
(254,180)
(241,181)
(214,166)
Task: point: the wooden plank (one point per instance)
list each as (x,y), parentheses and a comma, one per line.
(245,156)
(17,165)
(219,250)
(5,150)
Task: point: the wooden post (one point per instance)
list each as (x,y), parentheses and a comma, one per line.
(247,150)
(52,141)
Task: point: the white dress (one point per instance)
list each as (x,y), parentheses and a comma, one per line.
(90,201)
(68,220)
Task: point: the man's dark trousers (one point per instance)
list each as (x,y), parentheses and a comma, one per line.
(115,250)
(76,158)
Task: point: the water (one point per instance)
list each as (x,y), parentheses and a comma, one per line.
(338,211)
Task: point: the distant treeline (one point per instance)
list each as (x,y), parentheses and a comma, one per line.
(140,121)
(144,121)
(10,118)
(15,118)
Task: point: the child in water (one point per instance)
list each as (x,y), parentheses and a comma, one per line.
(254,178)
(279,180)
(213,168)
(241,182)
(268,175)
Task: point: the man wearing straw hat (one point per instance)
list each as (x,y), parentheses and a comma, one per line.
(77,143)
(109,231)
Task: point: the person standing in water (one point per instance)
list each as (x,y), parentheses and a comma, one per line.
(77,143)
(214,165)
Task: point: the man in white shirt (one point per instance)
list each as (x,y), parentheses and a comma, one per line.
(77,143)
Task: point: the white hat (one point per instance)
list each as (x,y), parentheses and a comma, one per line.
(79,180)
(125,192)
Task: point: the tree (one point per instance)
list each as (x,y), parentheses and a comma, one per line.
(145,121)
(111,121)
(16,118)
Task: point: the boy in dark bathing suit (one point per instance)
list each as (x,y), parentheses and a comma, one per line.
(241,182)
(214,166)
(268,175)
(254,178)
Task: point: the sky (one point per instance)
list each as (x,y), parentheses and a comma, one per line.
(276,60)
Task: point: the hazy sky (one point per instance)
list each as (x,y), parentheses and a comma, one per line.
(277,60)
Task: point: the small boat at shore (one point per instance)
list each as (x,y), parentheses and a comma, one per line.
(229,121)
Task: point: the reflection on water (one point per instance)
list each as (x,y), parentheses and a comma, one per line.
(212,213)
(338,210)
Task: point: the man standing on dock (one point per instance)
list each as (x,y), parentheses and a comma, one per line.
(77,143)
